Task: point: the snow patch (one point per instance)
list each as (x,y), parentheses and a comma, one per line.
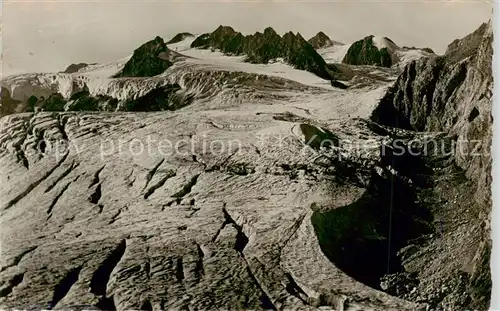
(406,57)
(335,53)
(182,45)
(218,61)
(104,70)
(384,42)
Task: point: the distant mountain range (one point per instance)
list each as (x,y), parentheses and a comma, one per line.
(154,57)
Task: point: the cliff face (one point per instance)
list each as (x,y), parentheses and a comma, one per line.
(453,94)
(364,52)
(264,47)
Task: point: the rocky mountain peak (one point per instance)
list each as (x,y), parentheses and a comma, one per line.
(224,31)
(321,35)
(365,52)
(300,38)
(294,40)
(270,32)
(289,36)
(467,46)
(320,40)
(148,60)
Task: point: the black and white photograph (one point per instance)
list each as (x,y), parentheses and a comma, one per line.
(247,155)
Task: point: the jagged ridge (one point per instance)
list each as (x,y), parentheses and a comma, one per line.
(264,47)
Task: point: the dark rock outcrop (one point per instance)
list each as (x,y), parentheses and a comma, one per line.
(161,98)
(263,47)
(158,99)
(9,105)
(83,101)
(180,37)
(364,52)
(453,94)
(150,59)
(338,84)
(75,67)
(54,102)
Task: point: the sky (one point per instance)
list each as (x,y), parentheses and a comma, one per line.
(48,35)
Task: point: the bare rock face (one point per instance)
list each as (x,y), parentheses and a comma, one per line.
(453,94)
(461,48)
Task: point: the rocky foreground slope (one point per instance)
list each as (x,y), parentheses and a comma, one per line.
(245,186)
